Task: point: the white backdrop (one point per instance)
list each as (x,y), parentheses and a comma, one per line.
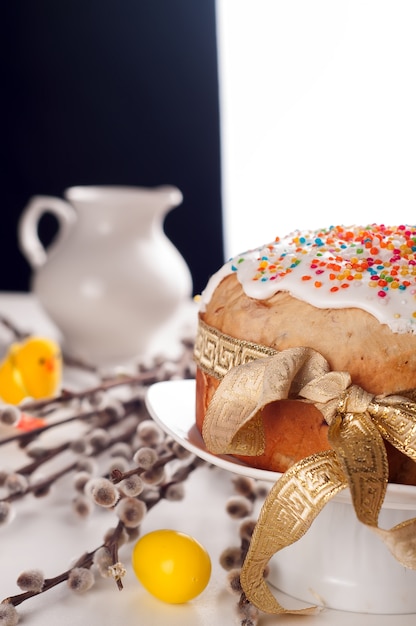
(318,115)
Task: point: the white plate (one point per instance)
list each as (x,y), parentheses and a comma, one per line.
(172,406)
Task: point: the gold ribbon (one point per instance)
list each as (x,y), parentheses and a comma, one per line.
(358,421)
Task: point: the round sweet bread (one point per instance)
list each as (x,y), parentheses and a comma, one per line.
(348,293)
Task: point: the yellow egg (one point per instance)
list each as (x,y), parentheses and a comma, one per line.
(171,565)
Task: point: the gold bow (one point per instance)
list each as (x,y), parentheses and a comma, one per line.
(358,421)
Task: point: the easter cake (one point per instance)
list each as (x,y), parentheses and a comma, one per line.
(348,293)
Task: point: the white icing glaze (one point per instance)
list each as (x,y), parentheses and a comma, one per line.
(367,267)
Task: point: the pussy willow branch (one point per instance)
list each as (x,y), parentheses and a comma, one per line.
(144,378)
(40,485)
(51,453)
(111,543)
(50,480)
(85,561)
(117,476)
(26,437)
(183,367)
(29,468)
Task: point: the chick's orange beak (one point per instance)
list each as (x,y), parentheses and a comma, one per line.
(50,364)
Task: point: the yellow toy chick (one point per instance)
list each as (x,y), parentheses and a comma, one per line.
(32,368)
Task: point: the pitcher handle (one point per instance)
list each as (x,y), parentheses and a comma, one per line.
(28,236)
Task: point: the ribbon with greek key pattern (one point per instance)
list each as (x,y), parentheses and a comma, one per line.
(358,424)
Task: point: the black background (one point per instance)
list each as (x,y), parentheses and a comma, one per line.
(111,92)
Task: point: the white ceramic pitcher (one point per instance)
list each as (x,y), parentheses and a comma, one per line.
(111,278)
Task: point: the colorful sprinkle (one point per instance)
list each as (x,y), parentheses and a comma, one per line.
(381,259)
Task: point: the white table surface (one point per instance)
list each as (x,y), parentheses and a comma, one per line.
(45,535)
